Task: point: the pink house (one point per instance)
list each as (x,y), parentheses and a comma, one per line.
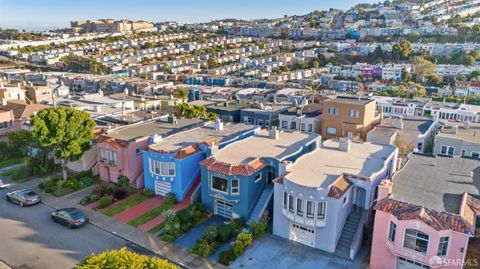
(427,215)
(120,150)
(6,121)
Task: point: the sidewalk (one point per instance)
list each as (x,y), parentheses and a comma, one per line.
(166,250)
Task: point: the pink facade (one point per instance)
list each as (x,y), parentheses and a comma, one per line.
(385,253)
(118,158)
(7,122)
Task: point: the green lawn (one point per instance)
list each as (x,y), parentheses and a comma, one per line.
(149,215)
(7,173)
(157,228)
(10,162)
(112,211)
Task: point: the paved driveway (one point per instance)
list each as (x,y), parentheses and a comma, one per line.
(30,239)
(274,252)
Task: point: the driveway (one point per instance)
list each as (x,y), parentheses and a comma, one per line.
(274,252)
(29,238)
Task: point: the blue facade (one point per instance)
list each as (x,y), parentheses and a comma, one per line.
(187,170)
(250,187)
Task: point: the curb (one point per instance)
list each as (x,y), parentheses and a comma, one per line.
(4,265)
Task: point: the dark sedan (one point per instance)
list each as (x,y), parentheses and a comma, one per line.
(70,217)
(24,197)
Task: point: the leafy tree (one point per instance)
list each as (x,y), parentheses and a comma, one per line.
(405,145)
(423,68)
(123,259)
(406,75)
(378,53)
(181,93)
(212,63)
(402,50)
(67,132)
(434,80)
(462,78)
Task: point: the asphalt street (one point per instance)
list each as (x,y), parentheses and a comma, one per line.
(30,239)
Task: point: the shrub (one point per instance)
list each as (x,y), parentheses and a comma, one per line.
(238,248)
(73,184)
(226,257)
(104,202)
(22,173)
(103,189)
(246,239)
(49,185)
(168,238)
(204,248)
(148,193)
(210,233)
(170,198)
(84,174)
(123,258)
(123,181)
(258,228)
(185,216)
(120,194)
(225,231)
(238,223)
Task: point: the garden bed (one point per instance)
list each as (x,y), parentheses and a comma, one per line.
(187,218)
(59,187)
(10,162)
(150,215)
(126,204)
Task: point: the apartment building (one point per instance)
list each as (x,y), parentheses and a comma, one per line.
(446,111)
(458,140)
(11,93)
(322,204)
(349,117)
(305,118)
(395,106)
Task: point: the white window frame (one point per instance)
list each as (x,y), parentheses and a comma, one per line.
(217,190)
(284,124)
(310,215)
(331,128)
(300,210)
(405,235)
(392,232)
(332,111)
(291,203)
(353,113)
(258,177)
(323,214)
(235,190)
(440,244)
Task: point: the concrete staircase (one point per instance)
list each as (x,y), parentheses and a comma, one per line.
(348,233)
(261,205)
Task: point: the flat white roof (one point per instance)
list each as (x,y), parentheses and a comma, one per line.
(325,164)
(261,145)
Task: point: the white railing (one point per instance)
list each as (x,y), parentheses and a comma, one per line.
(303,220)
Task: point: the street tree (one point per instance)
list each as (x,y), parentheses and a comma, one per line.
(423,68)
(67,132)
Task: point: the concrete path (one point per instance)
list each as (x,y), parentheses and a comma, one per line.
(140,209)
(166,250)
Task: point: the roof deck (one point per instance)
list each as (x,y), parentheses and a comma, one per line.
(320,168)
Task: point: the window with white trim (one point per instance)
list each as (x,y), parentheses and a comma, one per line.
(353,113)
(447,150)
(162,168)
(293,125)
(310,127)
(108,156)
(300,207)
(321,206)
(331,131)
(310,209)
(443,246)
(416,241)
(290,204)
(219,184)
(258,178)
(392,231)
(235,186)
(333,111)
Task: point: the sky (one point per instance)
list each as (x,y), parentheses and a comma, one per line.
(49,14)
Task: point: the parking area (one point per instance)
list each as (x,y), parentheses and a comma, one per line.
(274,252)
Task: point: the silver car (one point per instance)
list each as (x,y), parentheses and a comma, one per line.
(24,197)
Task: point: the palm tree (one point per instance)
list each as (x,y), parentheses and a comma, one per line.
(312,88)
(181,93)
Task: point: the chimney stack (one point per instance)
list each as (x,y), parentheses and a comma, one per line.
(344,144)
(218,125)
(274,133)
(172,119)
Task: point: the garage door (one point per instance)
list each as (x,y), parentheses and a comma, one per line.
(162,187)
(302,234)
(403,263)
(223,208)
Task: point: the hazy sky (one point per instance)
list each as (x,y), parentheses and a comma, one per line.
(42,14)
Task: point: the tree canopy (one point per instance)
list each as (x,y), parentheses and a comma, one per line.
(402,50)
(67,132)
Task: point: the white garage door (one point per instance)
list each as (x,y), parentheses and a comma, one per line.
(162,187)
(403,263)
(223,208)
(302,234)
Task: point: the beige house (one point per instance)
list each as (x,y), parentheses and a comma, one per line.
(349,117)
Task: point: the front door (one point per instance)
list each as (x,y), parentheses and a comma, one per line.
(360,194)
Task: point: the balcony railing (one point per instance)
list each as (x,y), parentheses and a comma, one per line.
(303,220)
(108,162)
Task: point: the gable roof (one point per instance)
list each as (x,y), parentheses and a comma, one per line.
(23,110)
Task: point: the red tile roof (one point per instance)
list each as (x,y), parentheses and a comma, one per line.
(112,141)
(233,169)
(437,220)
(339,187)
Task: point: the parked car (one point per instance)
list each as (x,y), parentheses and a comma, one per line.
(70,217)
(24,197)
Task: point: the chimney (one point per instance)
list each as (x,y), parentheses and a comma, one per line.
(98,108)
(399,123)
(466,124)
(384,189)
(274,133)
(218,125)
(284,167)
(154,139)
(344,144)
(455,129)
(172,119)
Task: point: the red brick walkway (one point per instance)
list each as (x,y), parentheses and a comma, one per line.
(182,205)
(140,209)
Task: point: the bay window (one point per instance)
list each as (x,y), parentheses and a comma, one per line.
(416,241)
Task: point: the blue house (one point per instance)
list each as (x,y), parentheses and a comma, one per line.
(237,180)
(172,164)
